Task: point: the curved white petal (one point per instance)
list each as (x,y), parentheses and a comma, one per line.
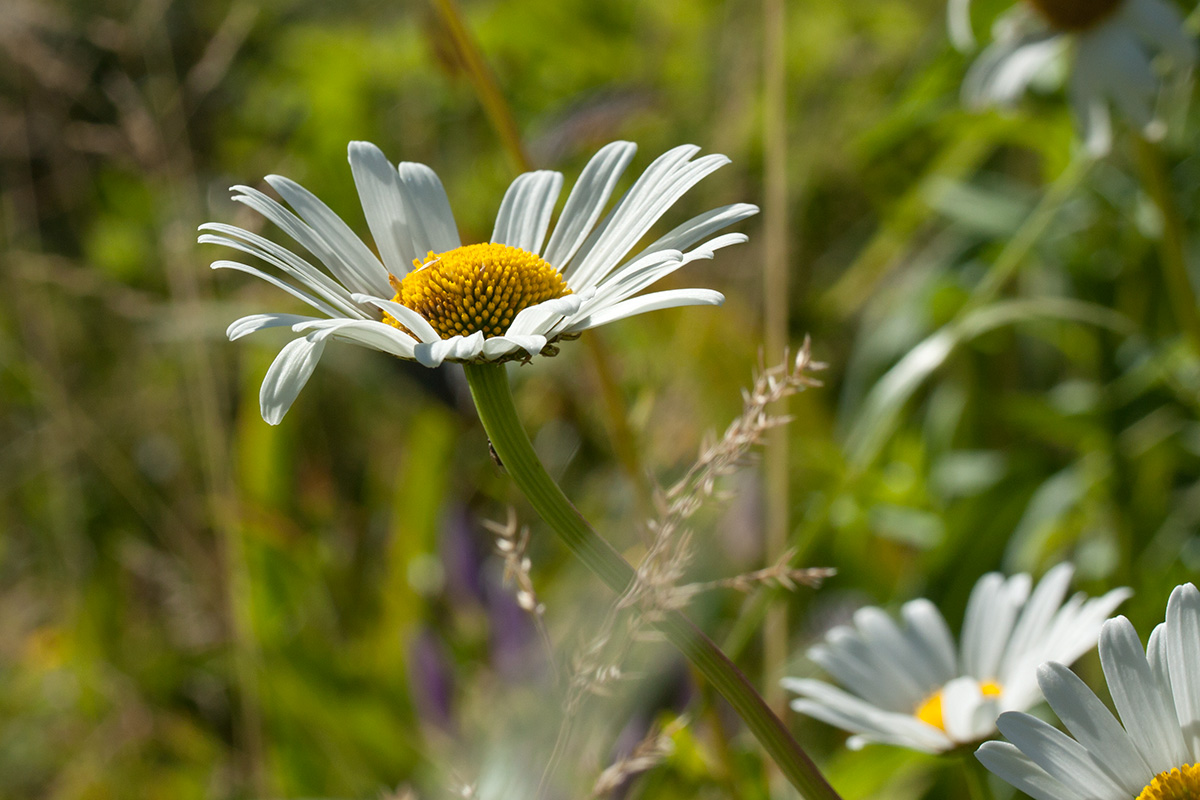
(831,704)
(927,625)
(282,259)
(313,241)
(430,220)
(648,302)
(909,667)
(525,210)
(258,322)
(855,665)
(705,225)
(961,700)
(586,201)
(405,316)
(1059,755)
(958,25)
(1094,726)
(363,272)
(287,375)
(498,346)
(1148,717)
(1183,659)
(541,318)
(319,305)
(663,183)
(382,198)
(368,333)
(1016,768)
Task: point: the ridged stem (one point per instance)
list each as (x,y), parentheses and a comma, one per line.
(494,402)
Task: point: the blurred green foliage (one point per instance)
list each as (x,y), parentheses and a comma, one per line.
(195,604)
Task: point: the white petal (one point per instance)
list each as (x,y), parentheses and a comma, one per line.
(320,305)
(1038,612)
(853,664)
(311,240)
(258,322)
(1090,721)
(703,226)
(1002,72)
(1016,768)
(664,182)
(431,223)
(498,346)
(382,199)
(282,259)
(908,665)
(1146,713)
(287,375)
(368,333)
(961,698)
(363,271)
(839,708)
(1062,757)
(405,316)
(651,267)
(586,201)
(958,25)
(648,302)
(926,625)
(525,210)
(540,318)
(1183,658)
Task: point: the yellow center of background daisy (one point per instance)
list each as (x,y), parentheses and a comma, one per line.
(1178,784)
(1075,15)
(477,287)
(930,710)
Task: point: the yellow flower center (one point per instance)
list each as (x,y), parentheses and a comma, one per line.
(930,710)
(1177,784)
(477,287)
(1075,15)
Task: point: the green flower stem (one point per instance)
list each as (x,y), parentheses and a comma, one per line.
(494,402)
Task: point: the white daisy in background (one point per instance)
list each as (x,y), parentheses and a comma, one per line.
(909,686)
(1108,47)
(1151,754)
(430,299)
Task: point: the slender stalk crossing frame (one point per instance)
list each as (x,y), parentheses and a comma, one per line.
(494,402)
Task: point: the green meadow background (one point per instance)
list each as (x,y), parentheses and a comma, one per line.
(194,604)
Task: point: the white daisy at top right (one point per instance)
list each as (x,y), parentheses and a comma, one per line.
(1115,53)
(1151,754)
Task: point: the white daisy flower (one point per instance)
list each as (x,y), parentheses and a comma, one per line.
(427,297)
(910,686)
(1108,47)
(1151,754)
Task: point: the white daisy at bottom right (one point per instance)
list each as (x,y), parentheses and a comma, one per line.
(1151,754)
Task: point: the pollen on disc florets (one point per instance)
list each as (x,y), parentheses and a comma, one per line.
(1182,783)
(1075,15)
(477,287)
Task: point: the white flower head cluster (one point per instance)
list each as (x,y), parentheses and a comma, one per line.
(908,685)
(1151,754)
(1109,48)
(428,298)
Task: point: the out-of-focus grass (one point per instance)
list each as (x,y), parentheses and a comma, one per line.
(194,604)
